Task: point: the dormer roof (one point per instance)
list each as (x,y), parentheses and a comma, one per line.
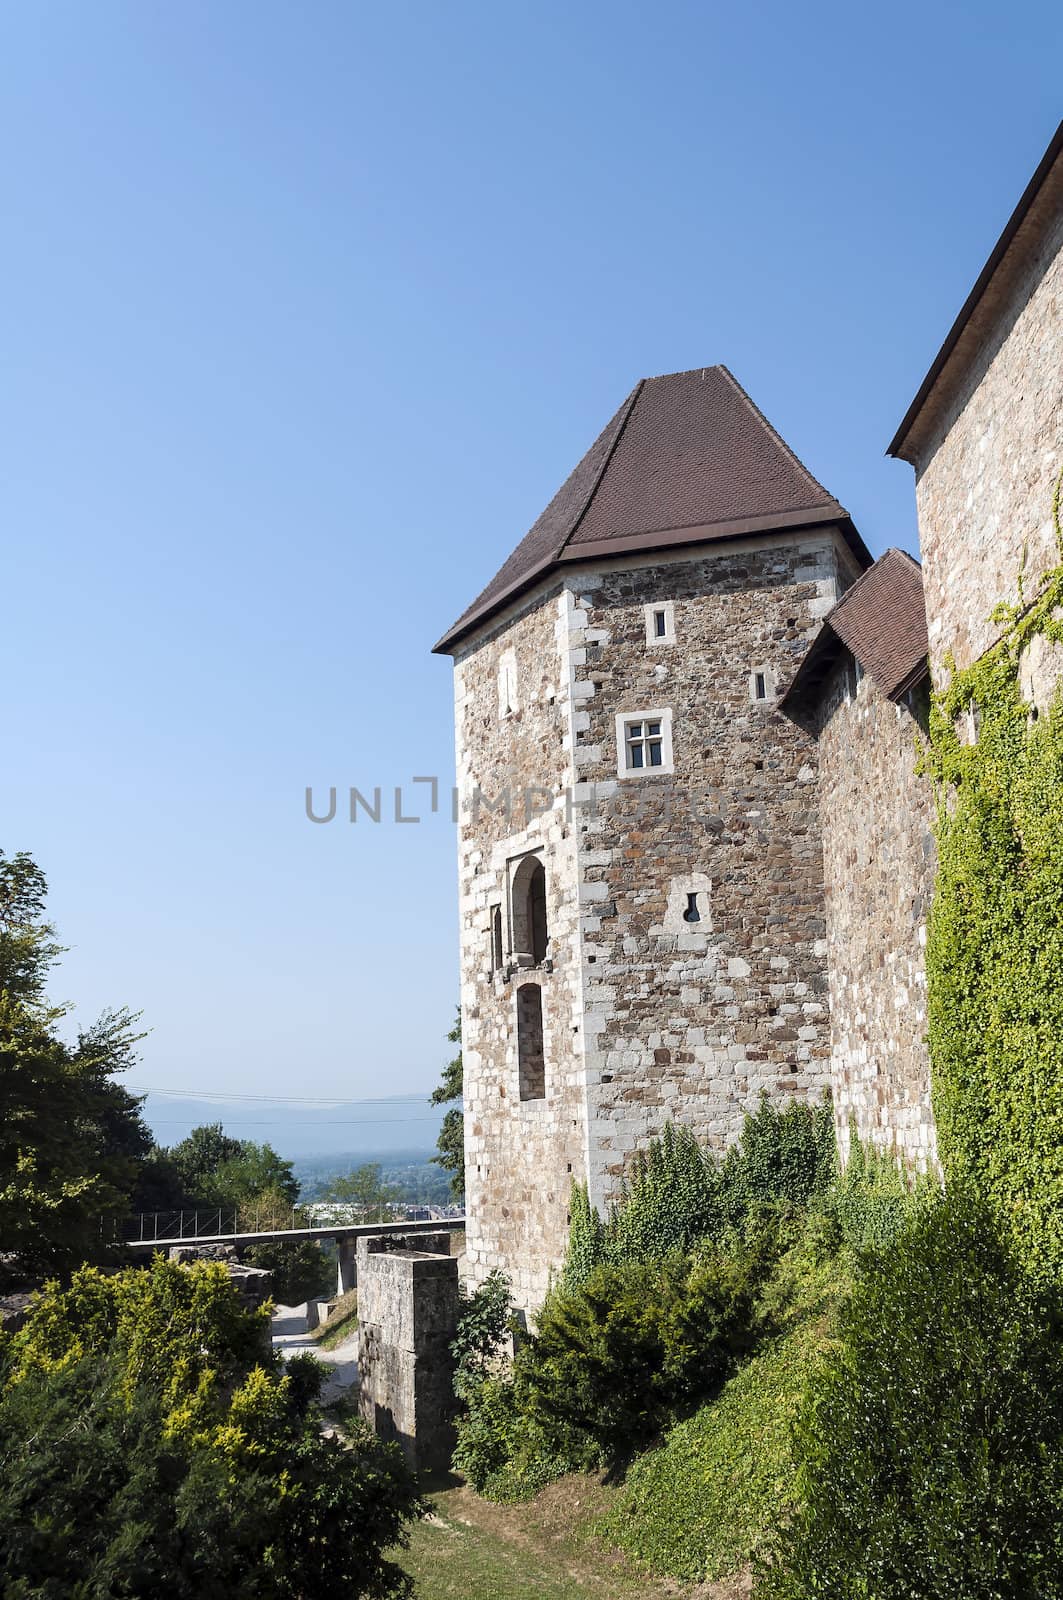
(881,620)
(688,458)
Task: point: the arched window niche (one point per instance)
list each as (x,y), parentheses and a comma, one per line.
(531,1059)
(530,933)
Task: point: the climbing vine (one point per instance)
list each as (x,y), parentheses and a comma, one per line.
(995,938)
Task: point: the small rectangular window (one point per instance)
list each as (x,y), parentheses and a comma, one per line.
(660,622)
(760,688)
(644,743)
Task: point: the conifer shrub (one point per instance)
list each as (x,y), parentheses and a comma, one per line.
(615,1361)
(930,1442)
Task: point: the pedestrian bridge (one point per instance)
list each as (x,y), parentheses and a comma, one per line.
(345,1235)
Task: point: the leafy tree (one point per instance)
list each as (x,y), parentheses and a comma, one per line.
(150,1445)
(451,1141)
(28,946)
(215,1169)
(364,1190)
(198,1159)
(71,1138)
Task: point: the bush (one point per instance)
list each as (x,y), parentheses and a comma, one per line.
(931,1442)
(480,1337)
(671,1201)
(150,1446)
(677,1194)
(618,1359)
(701,1506)
(503,1451)
(874,1199)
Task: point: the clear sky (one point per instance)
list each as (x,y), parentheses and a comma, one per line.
(307,310)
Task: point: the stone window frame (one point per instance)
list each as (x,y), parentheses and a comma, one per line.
(519,927)
(529,1030)
(764,671)
(663,715)
(652,611)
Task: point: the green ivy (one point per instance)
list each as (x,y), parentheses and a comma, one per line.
(995,937)
(677,1194)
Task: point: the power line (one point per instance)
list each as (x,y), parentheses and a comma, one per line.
(333,1122)
(283,1099)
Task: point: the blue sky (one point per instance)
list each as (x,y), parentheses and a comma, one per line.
(308,312)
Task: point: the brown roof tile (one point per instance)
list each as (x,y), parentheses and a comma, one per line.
(687,458)
(882,621)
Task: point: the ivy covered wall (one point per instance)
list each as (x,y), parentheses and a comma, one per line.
(995,938)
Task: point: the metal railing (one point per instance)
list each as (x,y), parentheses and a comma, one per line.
(219,1223)
(163,1225)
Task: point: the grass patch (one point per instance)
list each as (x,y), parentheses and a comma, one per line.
(341,1322)
(470,1549)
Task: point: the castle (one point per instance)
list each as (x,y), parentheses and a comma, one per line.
(695,851)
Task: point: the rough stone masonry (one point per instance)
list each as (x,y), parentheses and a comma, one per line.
(640,858)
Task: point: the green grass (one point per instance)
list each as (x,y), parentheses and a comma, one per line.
(342,1322)
(473,1550)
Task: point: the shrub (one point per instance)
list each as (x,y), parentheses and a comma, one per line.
(670,1201)
(931,1441)
(874,1199)
(677,1194)
(616,1360)
(700,1506)
(483,1328)
(503,1451)
(150,1446)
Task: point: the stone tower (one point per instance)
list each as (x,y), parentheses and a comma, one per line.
(640,859)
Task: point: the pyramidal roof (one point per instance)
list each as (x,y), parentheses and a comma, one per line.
(687,458)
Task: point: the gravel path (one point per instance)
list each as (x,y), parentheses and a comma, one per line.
(290,1338)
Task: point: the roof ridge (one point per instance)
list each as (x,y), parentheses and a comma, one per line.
(684,372)
(627,408)
(777,436)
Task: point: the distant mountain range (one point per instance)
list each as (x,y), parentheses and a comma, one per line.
(365,1129)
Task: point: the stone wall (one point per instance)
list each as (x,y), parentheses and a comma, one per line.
(984,481)
(647,1017)
(521,1156)
(878,854)
(407,1317)
(692,1021)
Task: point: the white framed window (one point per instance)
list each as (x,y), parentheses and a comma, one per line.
(762,685)
(660,622)
(643,743)
(508,701)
